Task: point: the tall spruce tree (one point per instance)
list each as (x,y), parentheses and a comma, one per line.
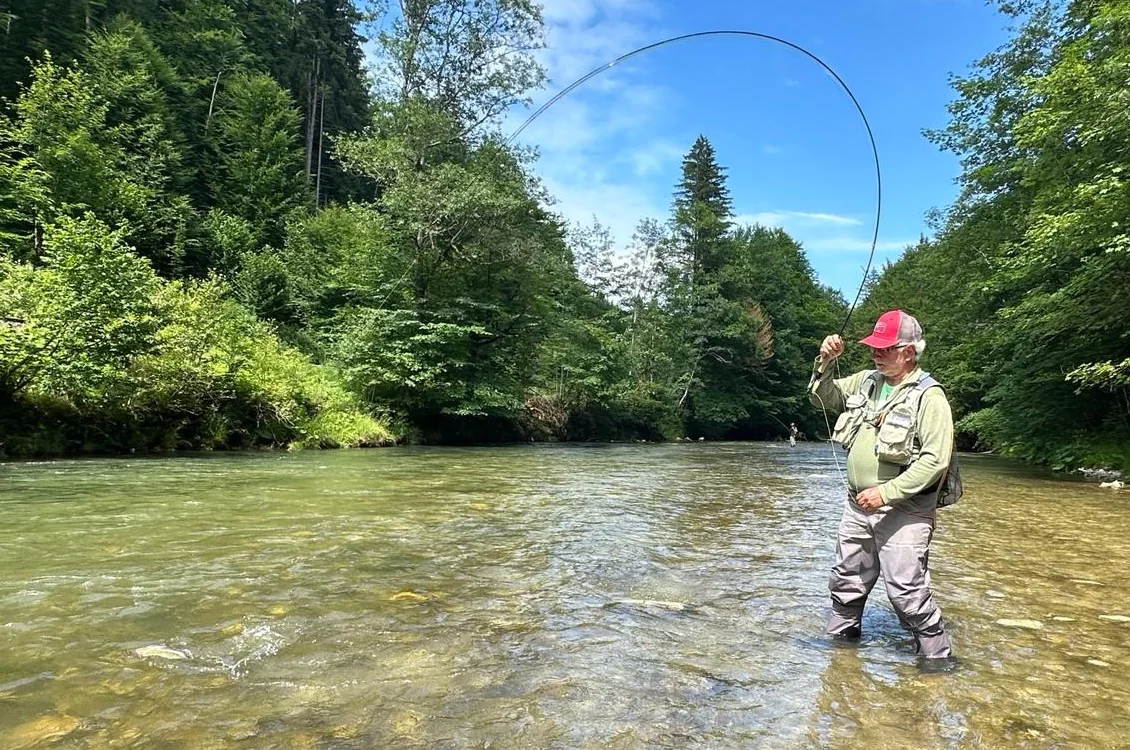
(703,210)
(705,326)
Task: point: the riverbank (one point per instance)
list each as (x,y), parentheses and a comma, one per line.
(54,428)
(47,428)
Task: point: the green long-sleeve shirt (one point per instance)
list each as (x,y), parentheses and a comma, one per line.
(864,469)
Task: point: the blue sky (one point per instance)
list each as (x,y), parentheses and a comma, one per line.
(794,146)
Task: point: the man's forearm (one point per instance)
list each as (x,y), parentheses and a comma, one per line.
(823,391)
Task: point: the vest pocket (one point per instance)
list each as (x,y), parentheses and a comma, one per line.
(894,443)
(847,425)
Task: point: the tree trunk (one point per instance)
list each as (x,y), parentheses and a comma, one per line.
(687,390)
(321,128)
(311,112)
(212,103)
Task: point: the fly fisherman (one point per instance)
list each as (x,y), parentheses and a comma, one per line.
(898,431)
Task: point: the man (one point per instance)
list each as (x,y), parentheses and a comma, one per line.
(793,432)
(898,430)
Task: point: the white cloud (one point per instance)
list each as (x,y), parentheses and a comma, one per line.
(654,156)
(619,206)
(824,232)
(584,34)
(579,12)
(598,151)
(567,130)
(854,244)
(786,219)
(567,12)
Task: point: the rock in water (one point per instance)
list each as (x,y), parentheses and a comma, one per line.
(1026,624)
(161,652)
(655,604)
(38,732)
(407,596)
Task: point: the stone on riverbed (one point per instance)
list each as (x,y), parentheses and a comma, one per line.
(161,652)
(39,731)
(1114,618)
(407,596)
(1026,624)
(654,604)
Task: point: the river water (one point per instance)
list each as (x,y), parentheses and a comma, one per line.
(550,596)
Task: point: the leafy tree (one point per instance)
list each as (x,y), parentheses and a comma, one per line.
(105,354)
(473,255)
(471,61)
(134,80)
(596,262)
(719,331)
(771,273)
(85,314)
(25,199)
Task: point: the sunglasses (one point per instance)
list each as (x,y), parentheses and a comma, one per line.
(888,350)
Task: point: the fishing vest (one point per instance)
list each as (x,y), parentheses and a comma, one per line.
(897,429)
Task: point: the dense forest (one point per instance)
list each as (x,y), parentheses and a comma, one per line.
(240,223)
(1025,288)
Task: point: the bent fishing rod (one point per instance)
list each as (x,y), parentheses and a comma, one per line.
(746,34)
(812,56)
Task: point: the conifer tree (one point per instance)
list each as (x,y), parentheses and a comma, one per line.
(692,261)
(703,210)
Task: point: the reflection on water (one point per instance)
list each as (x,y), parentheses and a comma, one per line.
(543,596)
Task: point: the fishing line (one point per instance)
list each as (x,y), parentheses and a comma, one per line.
(769,37)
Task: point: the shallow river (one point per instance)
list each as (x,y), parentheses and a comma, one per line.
(606,596)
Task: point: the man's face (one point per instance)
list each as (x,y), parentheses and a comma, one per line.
(893,360)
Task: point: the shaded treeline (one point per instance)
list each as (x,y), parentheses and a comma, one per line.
(218,231)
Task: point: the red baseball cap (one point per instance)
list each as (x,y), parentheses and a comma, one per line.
(892,328)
